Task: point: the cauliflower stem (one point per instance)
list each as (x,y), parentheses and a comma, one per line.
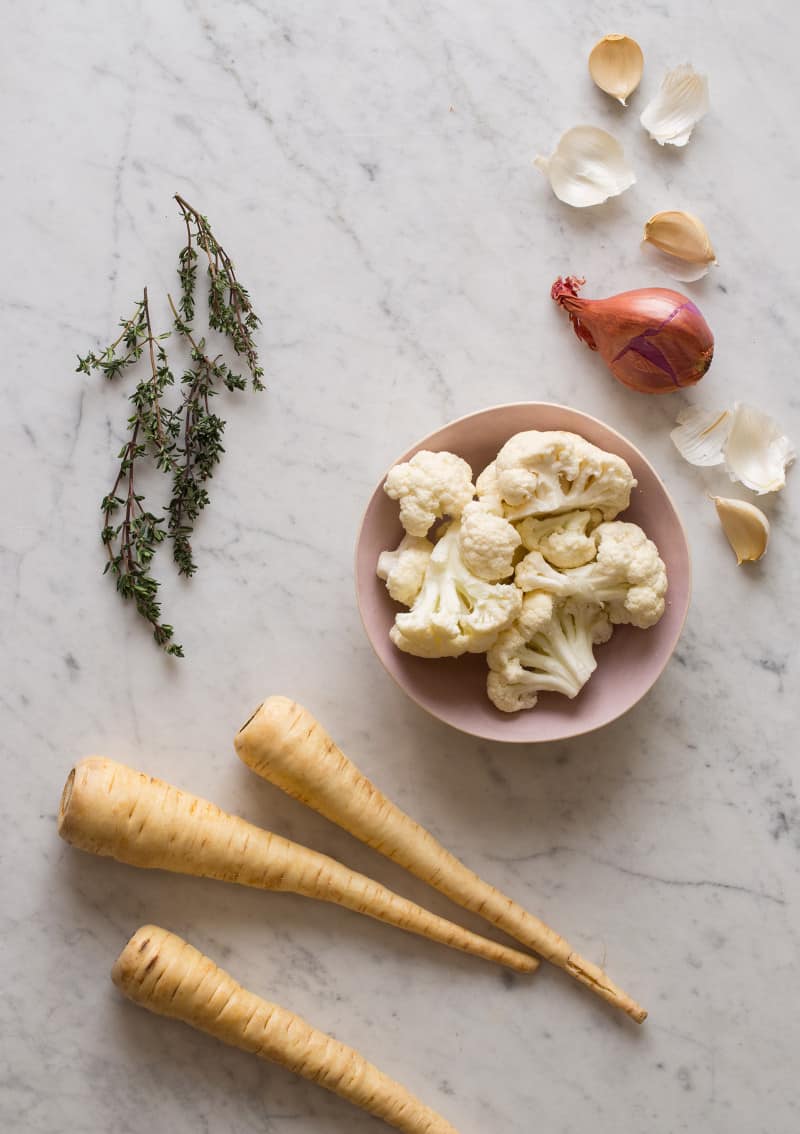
(549,649)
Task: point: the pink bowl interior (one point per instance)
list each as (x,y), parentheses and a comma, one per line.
(454,689)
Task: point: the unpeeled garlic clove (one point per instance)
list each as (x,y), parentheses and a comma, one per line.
(746,527)
(616,64)
(677,108)
(679,243)
(587,167)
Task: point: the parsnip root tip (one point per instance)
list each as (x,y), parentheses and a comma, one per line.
(595,978)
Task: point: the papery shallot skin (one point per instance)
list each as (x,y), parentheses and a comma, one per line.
(653,340)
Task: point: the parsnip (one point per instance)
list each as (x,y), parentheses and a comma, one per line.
(109,809)
(285,744)
(168,976)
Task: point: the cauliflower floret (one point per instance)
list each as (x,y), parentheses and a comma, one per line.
(548,649)
(404,568)
(488,490)
(488,543)
(455,612)
(429,486)
(539,473)
(563,540)
(628,576)
(632,576)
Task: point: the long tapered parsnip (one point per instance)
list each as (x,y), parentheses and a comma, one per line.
(168,976)
(109,809)
(285,744)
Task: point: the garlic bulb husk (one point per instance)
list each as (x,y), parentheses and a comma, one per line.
(616,64)
(747,441)
(700,435)
(746,527)
(677,108)
(587,167)
(757,452)
(678,243)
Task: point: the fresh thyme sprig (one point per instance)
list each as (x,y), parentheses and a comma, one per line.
(229,308)
(134,332)
(202,441)
(131,533)
(186,442)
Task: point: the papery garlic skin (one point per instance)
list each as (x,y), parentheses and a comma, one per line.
(587,167)
(700,436)
(757,452)
(746,527)
(677,108)
(678,243)
(616,64)
(747,441)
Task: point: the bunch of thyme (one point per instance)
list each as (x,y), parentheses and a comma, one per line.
(185,442)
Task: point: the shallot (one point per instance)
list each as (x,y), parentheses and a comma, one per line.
(653,340)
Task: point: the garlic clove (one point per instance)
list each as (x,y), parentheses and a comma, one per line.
(681,234)
(679,244)
(616,64)
(746,527)
(756,452)
(701,434)
(678,107)
(587,167)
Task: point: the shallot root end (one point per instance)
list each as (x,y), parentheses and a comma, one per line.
(565,292)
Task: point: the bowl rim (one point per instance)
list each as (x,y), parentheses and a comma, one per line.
(409,452)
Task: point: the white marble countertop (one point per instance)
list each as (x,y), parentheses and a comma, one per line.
(369,165)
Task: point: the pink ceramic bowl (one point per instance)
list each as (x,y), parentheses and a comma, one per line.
(454,689)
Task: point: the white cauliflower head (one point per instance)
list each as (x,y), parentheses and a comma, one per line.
(563,540)
(488,543)
(539,473)
(627,576)
(550,648)
(429,486)
(404,569)
(455,612)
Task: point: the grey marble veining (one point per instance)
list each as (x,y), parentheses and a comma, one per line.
(369,166)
